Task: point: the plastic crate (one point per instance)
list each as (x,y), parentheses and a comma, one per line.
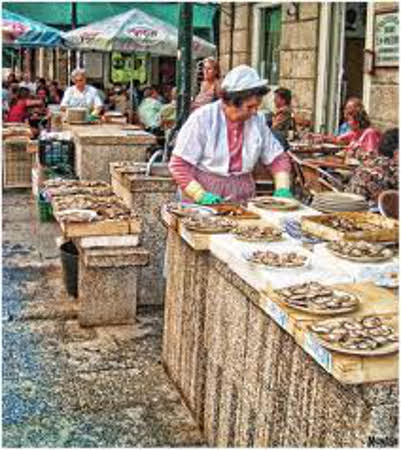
(45,210)
(57,154)
(17,164)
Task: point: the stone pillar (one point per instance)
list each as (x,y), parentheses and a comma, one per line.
(381,89)
(235,35)
(108,284)
(146,195)
(298,56)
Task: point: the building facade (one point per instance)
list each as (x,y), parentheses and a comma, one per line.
(324,52)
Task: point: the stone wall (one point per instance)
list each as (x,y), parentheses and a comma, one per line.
(235,35)
(298,53)
(383,96)
(298,56)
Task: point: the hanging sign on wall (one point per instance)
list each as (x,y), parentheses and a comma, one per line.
(386,39)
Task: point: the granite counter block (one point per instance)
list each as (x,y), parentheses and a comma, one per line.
(93,159)
(108,284)
(146,195)
(260,388)
(107,295)
(184,350)
(133,257)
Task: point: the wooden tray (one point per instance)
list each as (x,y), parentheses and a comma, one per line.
(100,228)
(259,240)
(320,312)
(364,259)
(385,350)
(224,210)
(317,226)
(89,122)
(216,230)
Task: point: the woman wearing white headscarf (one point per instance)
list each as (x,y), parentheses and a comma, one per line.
(220,144)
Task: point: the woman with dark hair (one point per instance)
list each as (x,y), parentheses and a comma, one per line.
(362,140)
(210,86)
(282,120)
(221,142)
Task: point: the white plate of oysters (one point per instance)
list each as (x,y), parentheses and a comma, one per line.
(365,335)
(278,261)
(360,251)
(315,298)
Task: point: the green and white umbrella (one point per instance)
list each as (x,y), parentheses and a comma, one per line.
(134,31)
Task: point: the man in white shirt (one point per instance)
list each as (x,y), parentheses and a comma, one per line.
(27,83)
(82,95)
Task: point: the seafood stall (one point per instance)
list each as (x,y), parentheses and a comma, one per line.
(273,343)
(99,144)
(106,234)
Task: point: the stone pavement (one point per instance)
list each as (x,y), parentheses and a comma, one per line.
(66,386)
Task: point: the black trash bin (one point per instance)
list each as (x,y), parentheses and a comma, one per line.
(69,262)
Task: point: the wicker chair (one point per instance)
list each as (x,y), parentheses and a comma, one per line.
(309,179)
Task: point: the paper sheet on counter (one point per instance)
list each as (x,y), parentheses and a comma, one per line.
(277,218)
(360,272)
(231,251)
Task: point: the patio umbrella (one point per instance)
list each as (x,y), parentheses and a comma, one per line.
(134,31)
(18,30)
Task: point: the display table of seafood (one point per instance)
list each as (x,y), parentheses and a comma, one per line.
(106,234)
(97,145)
(261,333)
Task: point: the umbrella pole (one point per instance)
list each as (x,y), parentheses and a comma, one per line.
(132,82)
(184,57)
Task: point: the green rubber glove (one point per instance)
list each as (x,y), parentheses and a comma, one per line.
(283,192)
(92,118)
(209,199)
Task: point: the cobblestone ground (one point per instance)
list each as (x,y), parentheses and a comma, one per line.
(66,386)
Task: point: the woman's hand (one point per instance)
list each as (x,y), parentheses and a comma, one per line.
(208,198)
(283,193)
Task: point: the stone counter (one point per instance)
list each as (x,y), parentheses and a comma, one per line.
(96,146)
(146,195)
(246,379)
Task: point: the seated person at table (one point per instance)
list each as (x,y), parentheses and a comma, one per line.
(149,109)
(36,121)
(282,115)
(168,111)
(81,95)
(27,83)
(55,95)
(43,94)
(380,172)
(18,107)
(119,101)
(361,140)
(351,107)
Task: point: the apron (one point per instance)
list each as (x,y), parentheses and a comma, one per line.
(238,188)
